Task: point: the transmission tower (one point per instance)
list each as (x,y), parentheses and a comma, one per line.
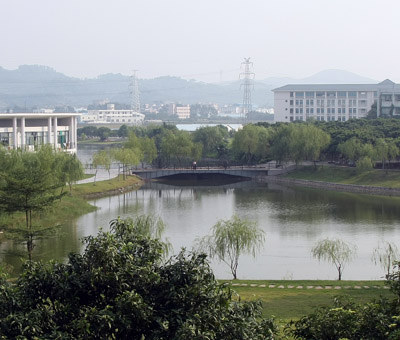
(247,85)
(134,92)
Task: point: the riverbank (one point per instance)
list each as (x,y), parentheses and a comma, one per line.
(75,204)
(376,182)
(103,188)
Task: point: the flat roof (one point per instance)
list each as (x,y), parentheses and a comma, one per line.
(386,85)
(38,115)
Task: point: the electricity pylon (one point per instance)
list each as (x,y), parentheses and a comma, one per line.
(247,85)
(134,92)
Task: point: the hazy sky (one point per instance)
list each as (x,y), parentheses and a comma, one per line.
(202,39)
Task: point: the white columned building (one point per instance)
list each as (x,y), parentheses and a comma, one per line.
(30,130)
(335,102)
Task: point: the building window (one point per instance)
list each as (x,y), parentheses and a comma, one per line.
(291,94)
(299,102)
(299,94)
(310,94)
(291,102)
(352,94)
(362,103)
(5,138)
(331,94)
(362,94)
(320,94)
(291,110)
(342,94)
(387,97)
(352,102)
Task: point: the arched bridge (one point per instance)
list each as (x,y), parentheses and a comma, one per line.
(249,172)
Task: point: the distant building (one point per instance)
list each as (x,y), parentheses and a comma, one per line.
(335,102)
(112,116)
(183,112)
(27,130)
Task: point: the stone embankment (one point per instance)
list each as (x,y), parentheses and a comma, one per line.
(365,189)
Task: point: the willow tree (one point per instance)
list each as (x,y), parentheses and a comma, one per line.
(386,254)
(336,252)
(231,238)
(102,158)
(127,157)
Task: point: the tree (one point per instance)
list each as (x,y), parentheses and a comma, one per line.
(148,148)
(386,254)
(126,157)
(71,168)
(179,145)
(211,138)
(102,158)
(315,140)
(123,131)
(103,133)
(230,238)
(251,143)
(29,183)
(120,288)
(336,251)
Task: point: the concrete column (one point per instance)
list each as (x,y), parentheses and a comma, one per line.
(49,130)
(71,138)
(15,133)
(76,132)
(23,142)
(55,133)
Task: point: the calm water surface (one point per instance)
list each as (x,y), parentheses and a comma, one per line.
(294,219)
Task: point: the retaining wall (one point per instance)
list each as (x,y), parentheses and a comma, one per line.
(365,189)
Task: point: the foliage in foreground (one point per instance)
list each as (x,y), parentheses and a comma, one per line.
(120,288)
(378,320)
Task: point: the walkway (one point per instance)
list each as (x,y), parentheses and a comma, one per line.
(305,287)
(102,175)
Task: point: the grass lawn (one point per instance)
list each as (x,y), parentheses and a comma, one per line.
(346,175)
(83,190)
(99,142)
(291,303)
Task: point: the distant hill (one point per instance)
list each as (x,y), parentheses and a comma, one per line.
(324,77)
(34,85)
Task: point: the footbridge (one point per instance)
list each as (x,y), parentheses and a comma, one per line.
(247,172)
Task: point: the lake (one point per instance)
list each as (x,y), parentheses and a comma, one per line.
(293,218)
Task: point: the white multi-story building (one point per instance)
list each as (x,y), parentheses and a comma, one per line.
(112,116)
(330,102)
(29,130)
(183,112)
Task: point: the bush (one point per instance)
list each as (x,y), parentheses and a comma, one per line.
(364,164)
(378,320)
(120,288)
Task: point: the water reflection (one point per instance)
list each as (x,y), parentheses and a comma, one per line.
(293,218)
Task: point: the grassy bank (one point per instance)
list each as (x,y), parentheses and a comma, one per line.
(75,204)
(345,175)
(291,303)
(105,187)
